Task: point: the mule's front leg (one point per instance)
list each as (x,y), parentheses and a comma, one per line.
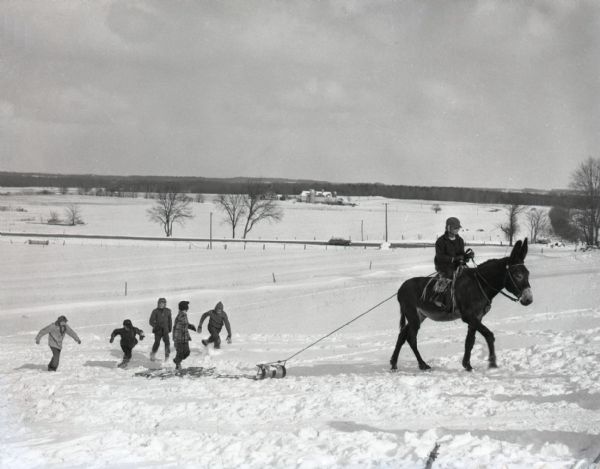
(469,342)
(490,339)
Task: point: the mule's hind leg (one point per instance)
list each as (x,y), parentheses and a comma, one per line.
(399,343)
(412,341)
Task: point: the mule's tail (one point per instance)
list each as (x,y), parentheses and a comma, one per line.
(402,315)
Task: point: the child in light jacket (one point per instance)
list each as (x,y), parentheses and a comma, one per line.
(56,333)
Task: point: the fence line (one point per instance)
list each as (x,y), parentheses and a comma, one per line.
(359,244)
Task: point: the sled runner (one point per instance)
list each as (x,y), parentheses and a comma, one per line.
(193,371)
(162,373)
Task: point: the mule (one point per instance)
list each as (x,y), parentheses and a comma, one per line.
(474,290)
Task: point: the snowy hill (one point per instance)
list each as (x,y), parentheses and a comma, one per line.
(338,407)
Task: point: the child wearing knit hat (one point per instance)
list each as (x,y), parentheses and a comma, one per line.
(56,332)
(128,340)
(218,318)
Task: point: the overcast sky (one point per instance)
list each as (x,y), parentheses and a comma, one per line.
(453,93)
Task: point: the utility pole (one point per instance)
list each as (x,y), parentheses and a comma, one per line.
(210,243)
(386,223)
(362,238)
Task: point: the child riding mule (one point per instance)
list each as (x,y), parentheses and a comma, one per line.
(474,290)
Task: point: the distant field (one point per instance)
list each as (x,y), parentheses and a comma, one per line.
(408,220)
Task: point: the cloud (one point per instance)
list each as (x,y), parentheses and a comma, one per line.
(7,110)
(135,21)
(226,86)
(316,94)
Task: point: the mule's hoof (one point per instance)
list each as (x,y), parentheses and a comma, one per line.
(467,367)
(493,365)
(424,367)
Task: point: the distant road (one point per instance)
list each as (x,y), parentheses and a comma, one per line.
(361,244)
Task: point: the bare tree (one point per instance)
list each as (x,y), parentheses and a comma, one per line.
(436,208)
(254,207)
(586,180)
(538,223)
(260,206)
(73,215)
(54,218)
(170,207)
(511,227)
(234,207)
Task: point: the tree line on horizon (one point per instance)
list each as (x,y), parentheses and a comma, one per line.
(119,185)
(574,214)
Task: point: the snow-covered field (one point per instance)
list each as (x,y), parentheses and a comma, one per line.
(407,219)
(339,406)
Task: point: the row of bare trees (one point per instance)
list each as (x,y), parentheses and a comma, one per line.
(586,181)
(537,222)
(248,209)
(72,216)
(581,223)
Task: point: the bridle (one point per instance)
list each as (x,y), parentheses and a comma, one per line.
(478,276)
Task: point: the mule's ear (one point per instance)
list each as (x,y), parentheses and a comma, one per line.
(524,250)
(516,252)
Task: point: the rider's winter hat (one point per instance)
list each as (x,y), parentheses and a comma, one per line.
(453,222)
(162,300)
(127,323)
(183,305)
(61,319)
(219,305)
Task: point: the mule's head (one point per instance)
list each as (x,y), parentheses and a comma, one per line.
(517,278)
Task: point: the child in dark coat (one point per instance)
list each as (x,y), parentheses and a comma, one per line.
(218,318)
(181,335)
(160,320)
(449,255)
(128,340)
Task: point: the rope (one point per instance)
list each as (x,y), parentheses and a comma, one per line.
(332,332)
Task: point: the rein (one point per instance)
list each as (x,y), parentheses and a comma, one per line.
(479,276)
